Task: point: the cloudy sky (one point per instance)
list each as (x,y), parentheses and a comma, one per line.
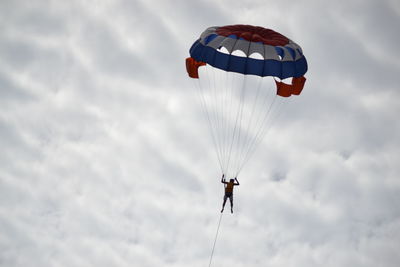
(106,159)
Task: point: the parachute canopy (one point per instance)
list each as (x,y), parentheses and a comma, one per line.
(264,53)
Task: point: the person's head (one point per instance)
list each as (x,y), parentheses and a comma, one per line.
(231,180)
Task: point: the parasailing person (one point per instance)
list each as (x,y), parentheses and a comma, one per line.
(228,191)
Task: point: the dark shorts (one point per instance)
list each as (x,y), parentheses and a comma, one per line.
(228,195)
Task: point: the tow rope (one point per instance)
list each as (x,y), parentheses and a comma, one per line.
(215,240)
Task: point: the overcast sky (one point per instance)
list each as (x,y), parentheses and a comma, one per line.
(106,159)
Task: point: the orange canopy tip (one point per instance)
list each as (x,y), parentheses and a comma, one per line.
(295,88)
(192,67)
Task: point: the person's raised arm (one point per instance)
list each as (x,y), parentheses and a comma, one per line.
(223,178)
(237,182)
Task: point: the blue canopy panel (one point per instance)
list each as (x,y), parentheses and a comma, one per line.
(246,65)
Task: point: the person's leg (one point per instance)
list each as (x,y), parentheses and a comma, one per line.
(223,204)
(231,200)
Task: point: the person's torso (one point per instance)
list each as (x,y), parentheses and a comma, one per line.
(229,187)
